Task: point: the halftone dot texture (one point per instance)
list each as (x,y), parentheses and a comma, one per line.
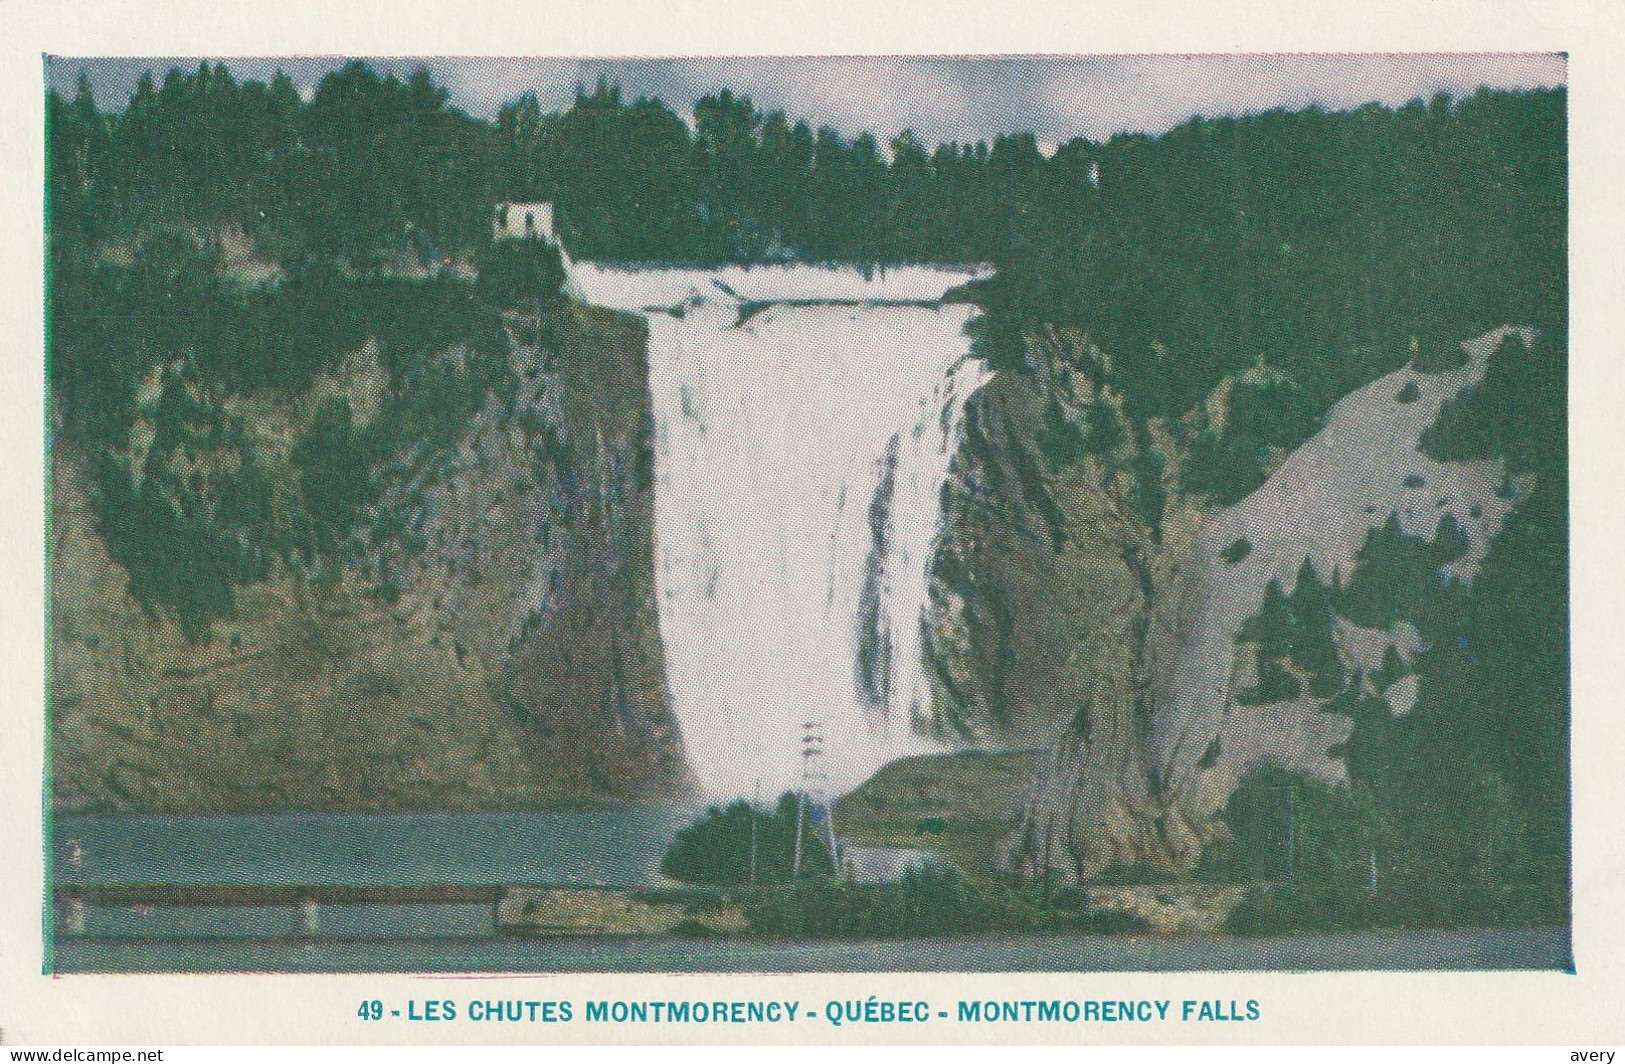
(336,529)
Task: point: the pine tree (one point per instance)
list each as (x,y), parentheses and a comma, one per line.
(1313,638)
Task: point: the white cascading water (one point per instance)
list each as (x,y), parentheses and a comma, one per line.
(801,450)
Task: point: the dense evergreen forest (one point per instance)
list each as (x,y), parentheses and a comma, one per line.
(1458,813)
(1323,249)
(1326,246)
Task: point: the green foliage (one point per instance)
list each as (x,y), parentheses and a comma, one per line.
(1206,248)
(716,849)
(1226,242)
(1312,640)
(1224,465)
(1393,668)
(1106,432)
(1237,551)
(1229,465)
(1493,723)
(205,151)
(1129,875)
(1393,571)
(1150,497)
(168,345)
(1439,358)
(1200,254)
(520,272)
(1271,626)
(1360,857)
(999,342)
(1517,410)
(1363,857)
(692,928)
(927,902)
(1112,922)
(185,546)
(1274,413)
(1035,491)
(1062,442)
(334,474)
(1332,828)
(1299,629)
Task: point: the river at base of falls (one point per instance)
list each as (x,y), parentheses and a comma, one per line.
(806,418)
(614,846)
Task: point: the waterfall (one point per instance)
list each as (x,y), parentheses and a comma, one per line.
(805,422)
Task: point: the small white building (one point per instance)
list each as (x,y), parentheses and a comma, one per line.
(521,221)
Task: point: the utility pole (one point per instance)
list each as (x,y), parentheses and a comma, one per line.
(753,806)
(795,863)
(812,747)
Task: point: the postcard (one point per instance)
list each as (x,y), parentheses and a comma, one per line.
(1030,546)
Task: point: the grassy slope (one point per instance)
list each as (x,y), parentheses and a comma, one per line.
(978,797)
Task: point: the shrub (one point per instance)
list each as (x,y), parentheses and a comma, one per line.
(1439,358)
(1121,875)
(1516,411)
(1393,571)
(513,272)
(999,342)
(1275,684)
(716,849)
(1226,466)
(930,901)
(1111,922)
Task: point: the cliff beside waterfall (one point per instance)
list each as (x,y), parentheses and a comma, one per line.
(437,591)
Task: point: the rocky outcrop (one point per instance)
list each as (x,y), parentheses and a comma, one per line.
(491,644)
(1048,627)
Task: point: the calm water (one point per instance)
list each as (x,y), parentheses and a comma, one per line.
(616,846)
(600,846)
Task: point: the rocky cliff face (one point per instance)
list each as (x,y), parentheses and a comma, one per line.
(1049,620)
(492,644)
(1084,605)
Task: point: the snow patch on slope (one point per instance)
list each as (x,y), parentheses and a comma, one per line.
(1363,465)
